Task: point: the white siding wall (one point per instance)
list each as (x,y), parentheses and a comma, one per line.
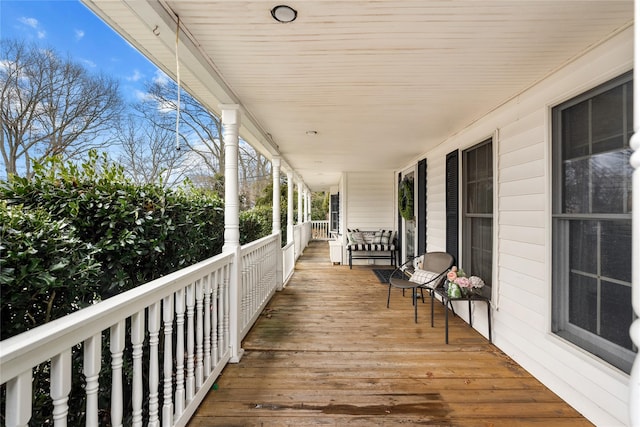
(370,203)
(522,233)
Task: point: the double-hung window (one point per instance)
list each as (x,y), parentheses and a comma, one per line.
(592,221)
(477,211)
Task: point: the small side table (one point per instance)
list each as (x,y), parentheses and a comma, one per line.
(446,300)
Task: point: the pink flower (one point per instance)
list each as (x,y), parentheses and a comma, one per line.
(451,275)
(463,282)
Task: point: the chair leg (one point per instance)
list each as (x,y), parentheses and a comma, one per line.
(389,295)
(432,295)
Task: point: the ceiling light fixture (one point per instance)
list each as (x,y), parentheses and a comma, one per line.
(284,13)
(312,132)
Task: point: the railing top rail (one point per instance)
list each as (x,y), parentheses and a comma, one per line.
(245,249)
(22,352)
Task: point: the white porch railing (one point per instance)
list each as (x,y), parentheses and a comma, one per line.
(306,234)
(288,261)
(258,279)
(182,321)
(320,230)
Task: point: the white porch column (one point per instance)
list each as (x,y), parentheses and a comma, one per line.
(276,227)
(305,207)
(634,381)
(290,185)
(275,171)
(308,205)
(300,204)
(230,127)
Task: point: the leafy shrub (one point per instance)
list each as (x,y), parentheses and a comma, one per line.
(139,232)
(255,223)
(44,269)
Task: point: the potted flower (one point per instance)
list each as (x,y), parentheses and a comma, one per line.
(459,285)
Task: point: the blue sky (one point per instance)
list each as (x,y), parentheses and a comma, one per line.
(71,28)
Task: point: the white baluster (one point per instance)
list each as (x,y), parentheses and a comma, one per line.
(117,348)
(167,403)
(91,369)
(60,387)
(215,299)
(154,373)
(18,405)
(199,333)
(137,338)
(224,309)
(191,379)
(179,400)
(207,325)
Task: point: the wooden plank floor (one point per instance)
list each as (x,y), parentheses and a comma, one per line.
(327,351)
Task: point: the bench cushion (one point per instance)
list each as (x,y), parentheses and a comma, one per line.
(370,247)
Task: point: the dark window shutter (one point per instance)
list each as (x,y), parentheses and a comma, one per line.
(451,189)
(422,206)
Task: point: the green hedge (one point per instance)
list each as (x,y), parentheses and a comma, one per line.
(44,269)
(74,234)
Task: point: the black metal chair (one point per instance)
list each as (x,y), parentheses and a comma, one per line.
(430,276)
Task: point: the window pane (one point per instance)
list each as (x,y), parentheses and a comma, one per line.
(576,186)
(628,176)
(575,131)
(607,120)
(610,182)
(615,243)
(472,197)
(629,110)
(583,302)
(489,196)
(482,197)
(472,166)
(485,272)
(616,314)
(583,246)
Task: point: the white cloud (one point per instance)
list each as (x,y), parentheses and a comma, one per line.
(89,63)
(79,34)
(136,76)
(141,95)
(161,78)
(33,23)
(29,22)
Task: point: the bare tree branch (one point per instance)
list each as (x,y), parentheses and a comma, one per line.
(51,106)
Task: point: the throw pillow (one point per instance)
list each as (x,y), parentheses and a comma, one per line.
(385,238)
(424,277)
(356,238)
(377,237)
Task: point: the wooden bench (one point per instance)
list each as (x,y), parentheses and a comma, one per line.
(380,244)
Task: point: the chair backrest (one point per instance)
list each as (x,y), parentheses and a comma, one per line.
(438,262)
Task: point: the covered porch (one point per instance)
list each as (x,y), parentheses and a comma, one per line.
(327,351)
(353,97)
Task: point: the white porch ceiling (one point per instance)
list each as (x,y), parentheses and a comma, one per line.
(380,81)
